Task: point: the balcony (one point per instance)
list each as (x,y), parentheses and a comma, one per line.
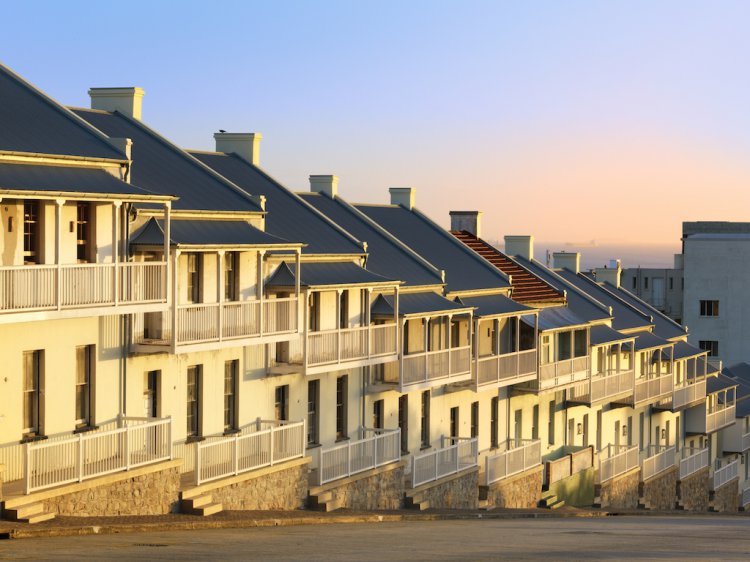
(715,413)
(227,323)
(559,375)
(688,394)
(455,455)
(693,461)
(650,389)
(736,439)
(496,371)
(421,370)
(616,460)
(602,387)
(378,447)
(350,347)
(655,460)
(726,474)
(511,458)
(44,291)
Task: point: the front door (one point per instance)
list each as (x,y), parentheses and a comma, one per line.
(150,394)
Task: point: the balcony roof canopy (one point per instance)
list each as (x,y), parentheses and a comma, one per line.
(601,335)
(327,275)
(559,318)
(647,340)
(495,305)
(683,350)
(719,383)
(418,304)
(208,234)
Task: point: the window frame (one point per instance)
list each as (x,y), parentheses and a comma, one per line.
(313,412)
(231,378)
(84,399)
(33,359)
(193,403)
(342,407)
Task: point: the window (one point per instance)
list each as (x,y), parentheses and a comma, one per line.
(344,310)
(546,350)
(32,390)
(671,283)
(281,403)
(564,345)
(630,431)
(580,347)
(425,419)
(709,308)
(377,414)
(151,394)
(494,422)
(231,274)
(31,231)
(194,267)
(313,399)
(314,312)
(84,243)
(645,282)
(642,431)
(551,423)
(454,422)
(342,386)
(712,346)
(84,365)
(474,419)
(535,422)
(193,400)
(231,369)
(635,282)
(403,422)
(599,430)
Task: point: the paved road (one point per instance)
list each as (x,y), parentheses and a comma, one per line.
(612,538)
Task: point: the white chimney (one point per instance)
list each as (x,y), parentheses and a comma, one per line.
(522,246)
(470,221)
(567,260)
(128,101)
(325,184)
(244,145)
(610,274)
(403,196)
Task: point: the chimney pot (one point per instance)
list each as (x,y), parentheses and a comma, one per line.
(522,246)
(244,145)
(403,196)
(567,260)
(128,101)
(328,184)
(470,221)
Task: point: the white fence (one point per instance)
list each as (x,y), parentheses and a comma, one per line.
(692,461)
(726,473)
(615,461)
(745,499)
(720,417)
(563,372)
(351,344)
(507,369)
(445,364)
(516,457)
(689,393)
(602,386)
(377,448)
(89,455)
(243,452)
(657,459)
(652,388)
(433,465)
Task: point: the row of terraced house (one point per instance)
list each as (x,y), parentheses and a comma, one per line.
(181,332)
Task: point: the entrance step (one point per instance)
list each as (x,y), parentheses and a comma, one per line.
(29,513)
(201,505)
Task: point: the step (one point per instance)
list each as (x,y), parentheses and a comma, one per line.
(23,511)
(331,505)
(37,518)
(198,501)
(207,510)
(557,505)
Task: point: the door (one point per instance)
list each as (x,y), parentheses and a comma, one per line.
(617,434)
(403,423)
(586,430)
(518,426)
(150,395)
(657,294)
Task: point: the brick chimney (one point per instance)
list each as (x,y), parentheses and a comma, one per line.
(470,221)
(128,101)
(403,196)
(567,260)
(325,184)
(522,246)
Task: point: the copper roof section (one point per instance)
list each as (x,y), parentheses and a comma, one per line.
(527,287)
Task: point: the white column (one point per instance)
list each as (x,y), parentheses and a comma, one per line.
(58,250)
(297,281)
(175,295)
(259,290)
(167,241)
(115,247)
(220,290)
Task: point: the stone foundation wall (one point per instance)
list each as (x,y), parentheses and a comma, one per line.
(693,491)
(457,492)
(622,491)
(660,492)
(283,489)
(726,498)
(518,492)
(382,490)
(153,493)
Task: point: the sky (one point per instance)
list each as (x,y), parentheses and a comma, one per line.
(609,122)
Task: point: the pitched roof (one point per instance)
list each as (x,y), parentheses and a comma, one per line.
(326,274)
(417,304)
(664,326)
(52,180)
(495,305)
(527,287)
(558,317)
(33,122)
(160,166)
(601,334)
(386,254)
(646,340)
(719,383)
(288,215)
(206,233)
(465,270)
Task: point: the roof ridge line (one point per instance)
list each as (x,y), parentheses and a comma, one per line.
(575,289)
(681,327)
(617,297)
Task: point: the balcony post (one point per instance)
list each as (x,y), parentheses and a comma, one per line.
(260,290)
(306,326)
(175,297)
(395,319)
(58,252)
(426,324)
(366,315)
(115,247)
(297,282)
(220,254)
(449,343)
(337,320)
(167,241)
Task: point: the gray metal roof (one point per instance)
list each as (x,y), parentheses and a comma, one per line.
(328,273)
(465,270)
(33,122)
(160,166)
(206,233)
(683,350)
(558,317)
(63,179)
(719,383)
(495,305)
(604,334)
(663,325)
(416,303)
(386,254)
(288,215)
(647,340)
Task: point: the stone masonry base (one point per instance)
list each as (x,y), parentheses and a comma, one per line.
(620,492)
(521,491)
(693,491)
(379,488)
(660,492)
(460,491)
(726,498)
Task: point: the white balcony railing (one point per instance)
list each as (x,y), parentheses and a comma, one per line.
(692,461)
(656,459)
(726,473)
(507,369)
(602,386)
(513,458)
(688,393)
(615,461)
(561,373)
(433,465)
(377,448)
(53,287)
(444,365)
(652,389)
(745,499)
(745,441)
(720,418)
(89,455)
(243,452)
(351,344)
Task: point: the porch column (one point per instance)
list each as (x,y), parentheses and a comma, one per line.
(220,254)
(426,325)
(450,343)
(167,241)
(259,292)
(339,292)
(305,327)
(297,281)
(395,318)
(115,247)
(175,295)
(366,317)
(58,250)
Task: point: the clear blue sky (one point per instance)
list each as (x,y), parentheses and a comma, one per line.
(573,121)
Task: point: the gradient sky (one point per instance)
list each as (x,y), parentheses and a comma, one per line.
(572,121)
